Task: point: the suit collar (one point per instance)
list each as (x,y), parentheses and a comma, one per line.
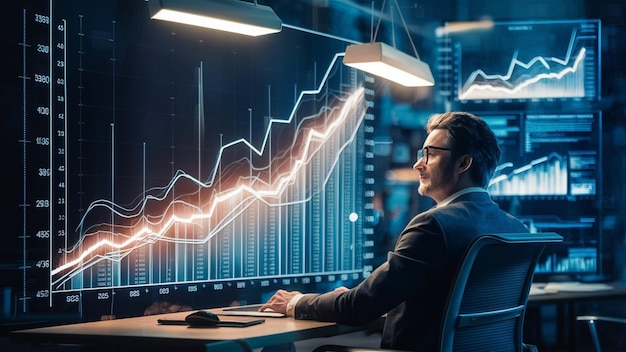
(456,195)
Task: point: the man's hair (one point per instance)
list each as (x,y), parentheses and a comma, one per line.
(470,135)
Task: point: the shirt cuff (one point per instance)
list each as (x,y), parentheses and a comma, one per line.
(291,306)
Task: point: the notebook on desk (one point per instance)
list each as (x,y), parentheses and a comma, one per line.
(250,310)
(224,323)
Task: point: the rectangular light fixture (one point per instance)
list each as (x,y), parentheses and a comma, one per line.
(390,63)
(227,15)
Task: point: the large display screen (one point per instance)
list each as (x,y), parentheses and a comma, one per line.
(550,177)
(523,61)
(535,83)
(162,160)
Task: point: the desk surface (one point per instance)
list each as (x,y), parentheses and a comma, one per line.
(144,331)
(617,290)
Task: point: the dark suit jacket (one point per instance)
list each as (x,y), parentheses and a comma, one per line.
(412,285)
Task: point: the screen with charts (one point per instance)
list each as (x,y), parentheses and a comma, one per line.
(522,61)
(547,155)
(550,176)
(168,163)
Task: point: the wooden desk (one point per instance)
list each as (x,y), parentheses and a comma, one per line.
(144,333)
(566,304)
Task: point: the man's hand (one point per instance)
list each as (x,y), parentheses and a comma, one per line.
(278,302)
(341,289)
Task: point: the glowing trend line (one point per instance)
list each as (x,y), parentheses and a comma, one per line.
(175,219)
(178,176)
(272,121)
(282,183)
(259,152)
(470,87)
(522,169)
(515,62)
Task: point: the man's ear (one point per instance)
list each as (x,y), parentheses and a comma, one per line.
(465,163)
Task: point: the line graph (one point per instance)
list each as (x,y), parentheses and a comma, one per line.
(543,176)
(271,203)
(567,80)
(500,65)
(546,155)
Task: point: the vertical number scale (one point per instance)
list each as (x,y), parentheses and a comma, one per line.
(58,138)
(43,218)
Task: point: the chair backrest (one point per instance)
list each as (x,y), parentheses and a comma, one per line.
(487,302)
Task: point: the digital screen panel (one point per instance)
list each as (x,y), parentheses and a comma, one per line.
(550,177)
(547,155)
(523,61)
(581,250)
(177,164)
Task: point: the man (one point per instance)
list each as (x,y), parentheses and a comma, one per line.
(455,165)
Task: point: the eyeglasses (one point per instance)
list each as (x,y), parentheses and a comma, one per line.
(425,152)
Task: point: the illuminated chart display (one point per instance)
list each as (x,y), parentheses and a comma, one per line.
(534,61)
(580,252)
(547,155)
(550,177)
(297,213)
(580,260)
(167,159)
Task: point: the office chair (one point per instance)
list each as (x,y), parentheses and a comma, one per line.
(487,301)
(591,323)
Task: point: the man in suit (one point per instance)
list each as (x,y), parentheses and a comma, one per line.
(455,165)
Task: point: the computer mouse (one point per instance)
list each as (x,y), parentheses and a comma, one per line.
(202,318)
